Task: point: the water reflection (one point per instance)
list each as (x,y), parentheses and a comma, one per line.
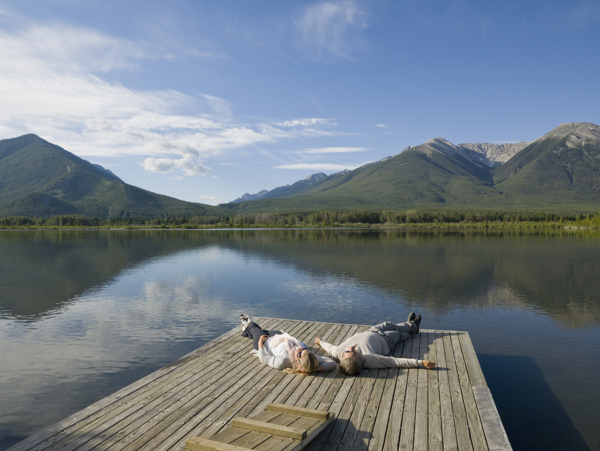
(555,272)
(42,270)
(85,313)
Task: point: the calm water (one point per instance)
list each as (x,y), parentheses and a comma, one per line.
(83,314)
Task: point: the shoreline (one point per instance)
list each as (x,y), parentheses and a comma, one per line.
(443,226)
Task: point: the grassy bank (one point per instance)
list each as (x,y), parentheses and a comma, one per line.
(365,219)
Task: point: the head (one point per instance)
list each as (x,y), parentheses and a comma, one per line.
(306,362)
(350,362)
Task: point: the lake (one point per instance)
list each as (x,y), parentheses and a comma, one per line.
(84,313)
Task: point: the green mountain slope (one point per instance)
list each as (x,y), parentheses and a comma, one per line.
(433,175)
(562,166)
(560,170)
(38,178)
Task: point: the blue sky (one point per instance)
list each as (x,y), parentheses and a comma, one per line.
(207,100)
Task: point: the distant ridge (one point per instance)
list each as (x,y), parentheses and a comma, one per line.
(40,179)
(481,153)
(560,170)
(282,191)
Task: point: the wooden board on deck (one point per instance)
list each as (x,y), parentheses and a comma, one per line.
(200,394)
(281,428)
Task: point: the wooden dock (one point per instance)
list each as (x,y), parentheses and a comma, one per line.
(449,408)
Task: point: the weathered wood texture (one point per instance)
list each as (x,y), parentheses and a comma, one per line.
(450,408)
(280,428)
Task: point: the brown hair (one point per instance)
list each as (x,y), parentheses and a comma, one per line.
(350,366)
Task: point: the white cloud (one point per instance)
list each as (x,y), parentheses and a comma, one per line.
(65,49)
(330,27)
(336,150)
(307,122)
(220,106)
(381,125)
(318,166)
(189,166)
(210,199)
(51,84)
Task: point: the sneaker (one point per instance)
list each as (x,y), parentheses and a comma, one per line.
(411,317)
(245,319)
(417,321)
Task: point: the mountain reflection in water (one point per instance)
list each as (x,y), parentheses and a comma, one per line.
(83,313)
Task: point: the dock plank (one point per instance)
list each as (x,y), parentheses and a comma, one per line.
(385,406)
(421,417)
(448,428)
(392,438)
(364,435)
(461,425)
(433,397)
(494,430)
(475,426)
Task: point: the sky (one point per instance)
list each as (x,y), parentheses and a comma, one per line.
(207,100)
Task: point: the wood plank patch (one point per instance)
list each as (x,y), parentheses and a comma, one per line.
(222,393)
(282,428)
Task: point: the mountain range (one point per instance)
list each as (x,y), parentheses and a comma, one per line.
(40,179)
(559,171)
(489,154)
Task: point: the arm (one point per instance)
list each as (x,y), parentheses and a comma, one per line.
(328,347)
(380,361)
(266,358)
(325,364)
(277,362)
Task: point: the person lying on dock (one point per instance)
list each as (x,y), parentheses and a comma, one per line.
(281,351)
(370,349)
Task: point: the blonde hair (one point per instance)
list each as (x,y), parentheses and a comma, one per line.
(350,366)
(307,364)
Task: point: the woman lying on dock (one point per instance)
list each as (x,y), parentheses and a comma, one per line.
(282,351)
(369,349)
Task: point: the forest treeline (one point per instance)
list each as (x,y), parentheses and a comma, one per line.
(386,218)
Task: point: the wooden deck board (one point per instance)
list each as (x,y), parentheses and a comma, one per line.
(391,409)
(433,397)
(392,437)
(448,428)
(463,437)
(475,427)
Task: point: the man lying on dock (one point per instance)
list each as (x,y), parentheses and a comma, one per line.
(370,349)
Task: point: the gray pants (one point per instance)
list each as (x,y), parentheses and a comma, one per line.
(395,333)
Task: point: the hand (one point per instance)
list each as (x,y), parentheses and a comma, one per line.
(429,364)
(261,341)
(318,340)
